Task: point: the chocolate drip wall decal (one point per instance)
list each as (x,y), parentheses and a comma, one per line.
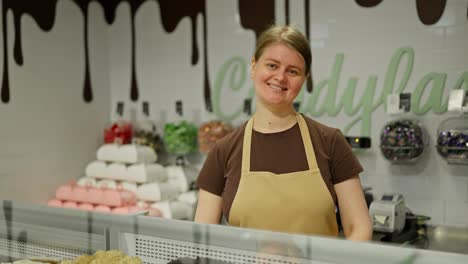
(368,3)
(310,82)
(87,90)
(430,11)
(134,5)
(110,7)
(251,18)
(43,13)
(172,13)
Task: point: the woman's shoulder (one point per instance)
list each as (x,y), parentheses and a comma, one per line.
(316,127)
(231,140)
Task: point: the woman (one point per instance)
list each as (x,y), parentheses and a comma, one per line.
(283,171)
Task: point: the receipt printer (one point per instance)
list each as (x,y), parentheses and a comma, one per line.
(388,214)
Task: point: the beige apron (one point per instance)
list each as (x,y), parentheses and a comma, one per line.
(296,202)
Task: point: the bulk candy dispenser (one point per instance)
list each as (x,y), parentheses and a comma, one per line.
(452,139)
(211,130)
(402,140)
(146,132)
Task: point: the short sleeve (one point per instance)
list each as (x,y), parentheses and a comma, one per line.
(211,177)
(344,164)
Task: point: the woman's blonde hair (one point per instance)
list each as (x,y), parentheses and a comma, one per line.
(289,35)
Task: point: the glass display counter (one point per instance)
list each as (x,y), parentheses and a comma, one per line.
(39,231)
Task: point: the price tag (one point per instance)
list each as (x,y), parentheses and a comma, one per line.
(248,106)
(120,109)
(179,110)
(398,103)
(146,108)
(296,106)
(405,102)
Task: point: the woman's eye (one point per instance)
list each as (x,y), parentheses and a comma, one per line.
(271,65)
(293,72)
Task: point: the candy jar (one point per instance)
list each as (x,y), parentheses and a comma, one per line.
(211,130)
(180,137)
(120,131)
(402,140)
(452,139)
(146,133)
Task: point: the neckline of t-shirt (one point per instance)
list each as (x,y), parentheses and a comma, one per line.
(280,133)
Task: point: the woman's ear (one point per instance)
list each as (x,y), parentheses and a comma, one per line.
(253,63)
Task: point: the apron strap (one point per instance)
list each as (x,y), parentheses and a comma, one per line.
(308,147)
(246,146)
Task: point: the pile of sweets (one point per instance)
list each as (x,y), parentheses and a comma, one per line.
(104,257)
(125,179)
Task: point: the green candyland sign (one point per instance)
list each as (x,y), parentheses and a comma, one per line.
(428,94)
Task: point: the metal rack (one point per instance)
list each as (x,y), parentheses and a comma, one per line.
(39,231)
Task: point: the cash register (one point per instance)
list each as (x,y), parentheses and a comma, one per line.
(393,222)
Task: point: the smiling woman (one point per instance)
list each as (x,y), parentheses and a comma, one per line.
(283,171)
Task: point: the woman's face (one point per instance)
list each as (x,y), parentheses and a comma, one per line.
(278,75)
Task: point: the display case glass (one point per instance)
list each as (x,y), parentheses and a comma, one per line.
(32,231)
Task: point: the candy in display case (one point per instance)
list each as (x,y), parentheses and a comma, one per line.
(452,139)
(402,140)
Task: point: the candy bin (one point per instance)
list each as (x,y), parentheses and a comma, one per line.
(402,140)
(210,132)
(146,133)
(120,131)
(180,138)
(452,139)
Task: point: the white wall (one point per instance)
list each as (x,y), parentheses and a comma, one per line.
(367,37)
(48,133)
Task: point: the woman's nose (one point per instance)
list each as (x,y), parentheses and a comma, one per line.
(280,75)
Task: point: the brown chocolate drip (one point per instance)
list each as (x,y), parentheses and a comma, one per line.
(5,93)
(430,11)
(207,90)
(286,12)
(43,13)
(134,93)
(368,3)
(172,13)
(110,7)
(87,89)
(310,82)
(251,18)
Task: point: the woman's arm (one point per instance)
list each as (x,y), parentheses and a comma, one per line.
(209,208)
(354,213)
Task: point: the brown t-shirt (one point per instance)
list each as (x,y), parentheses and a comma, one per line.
(281,152)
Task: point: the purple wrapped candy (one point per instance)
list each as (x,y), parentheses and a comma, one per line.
(401,140)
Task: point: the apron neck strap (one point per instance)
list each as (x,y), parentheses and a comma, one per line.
(309,148)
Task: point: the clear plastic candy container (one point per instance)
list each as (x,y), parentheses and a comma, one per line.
(452,140)
(402,140)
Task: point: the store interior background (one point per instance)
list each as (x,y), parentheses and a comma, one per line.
(50,132)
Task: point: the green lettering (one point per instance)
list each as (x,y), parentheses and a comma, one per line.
(329,102)
(392,71)
(435,98)
(236,67)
